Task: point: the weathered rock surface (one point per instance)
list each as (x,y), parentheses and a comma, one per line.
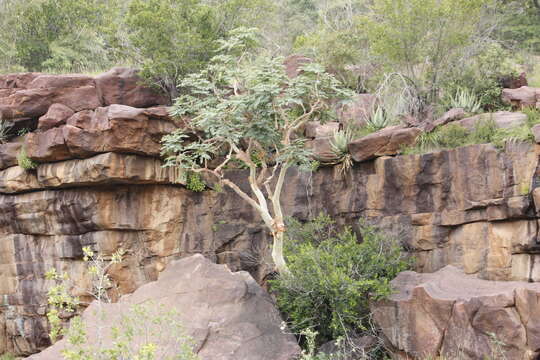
(55,116)
(388,141)
(116,128)
(8,154)
(100,183)
(502,119)
(524,96)
(123,86)
(459,316)
(103,169)
(229,316)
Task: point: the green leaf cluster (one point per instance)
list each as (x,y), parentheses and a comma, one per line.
(334,276)
(242,99)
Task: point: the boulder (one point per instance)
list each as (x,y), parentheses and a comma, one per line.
(450,314)
(321,148)
(524,96)
(449,116)
(228,315)
(61,81)
(35,102)
(123,86)
(17,81)
(358,111)
(55,116)
(388,141)
(502,119)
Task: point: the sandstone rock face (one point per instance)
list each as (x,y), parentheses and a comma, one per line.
(229,315)
(8,154)
(55,116)
(99,183)
(459,316)
(123,86)
(388,141)
(116,128)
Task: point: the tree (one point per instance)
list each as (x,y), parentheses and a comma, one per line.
(424,39)
(246,108)
(170,38)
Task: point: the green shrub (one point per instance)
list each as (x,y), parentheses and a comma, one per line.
(333,276)
(486,131)
(24,161)
(194,182)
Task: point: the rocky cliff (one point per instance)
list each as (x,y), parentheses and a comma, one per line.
(98,181)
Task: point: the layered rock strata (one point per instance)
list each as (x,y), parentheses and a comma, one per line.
(99,182)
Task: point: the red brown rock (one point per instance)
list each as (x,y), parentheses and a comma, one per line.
(228,315)
(449,116)
(501,119)
(8,154)
(17,81)
(524,96)
(55,116)
(388,141)
(293,63)
(116,128)
(123,86)
(450,314)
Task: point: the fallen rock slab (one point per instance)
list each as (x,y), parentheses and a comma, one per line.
(450,314)
(501,119)
(524,96)
(229,316)
(123,86)
(387,141)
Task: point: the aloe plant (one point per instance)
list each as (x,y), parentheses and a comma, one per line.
(466,100)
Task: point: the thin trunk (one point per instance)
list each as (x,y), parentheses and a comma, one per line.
(277,252)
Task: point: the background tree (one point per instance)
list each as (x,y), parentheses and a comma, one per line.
(246,108)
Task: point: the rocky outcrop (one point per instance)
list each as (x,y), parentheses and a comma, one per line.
(524,96)
(458,316)
(116,128)
(99,182)
(228,315)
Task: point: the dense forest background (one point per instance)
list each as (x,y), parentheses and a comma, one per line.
(436,46)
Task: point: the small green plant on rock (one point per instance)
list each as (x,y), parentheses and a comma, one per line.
(24,161)
(194,182)
(144,332)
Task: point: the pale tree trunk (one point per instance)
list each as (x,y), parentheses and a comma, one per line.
(277,253)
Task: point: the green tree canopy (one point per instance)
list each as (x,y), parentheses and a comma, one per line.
(246,108)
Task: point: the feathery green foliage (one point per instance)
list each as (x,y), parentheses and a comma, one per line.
(243,104)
